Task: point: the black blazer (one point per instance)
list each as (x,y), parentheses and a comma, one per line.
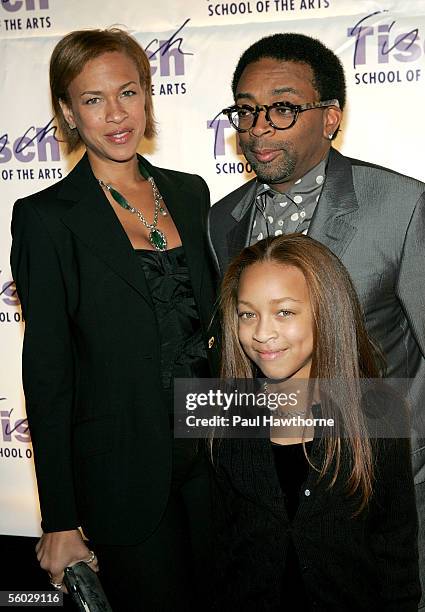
(91,357)
(348,563)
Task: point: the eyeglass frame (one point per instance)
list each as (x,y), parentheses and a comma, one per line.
(296,108)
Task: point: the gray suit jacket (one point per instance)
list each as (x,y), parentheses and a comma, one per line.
(373,219)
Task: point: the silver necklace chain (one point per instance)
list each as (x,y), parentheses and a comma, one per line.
(156,237)
(157,199)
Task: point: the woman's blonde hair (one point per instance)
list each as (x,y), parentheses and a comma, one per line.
(71,55)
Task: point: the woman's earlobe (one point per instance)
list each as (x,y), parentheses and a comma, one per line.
(67,114)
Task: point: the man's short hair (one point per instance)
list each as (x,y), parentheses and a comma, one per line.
(328,73)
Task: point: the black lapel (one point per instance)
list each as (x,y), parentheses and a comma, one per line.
(93,220)
(334,222)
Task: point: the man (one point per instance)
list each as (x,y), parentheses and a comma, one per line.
(289,93)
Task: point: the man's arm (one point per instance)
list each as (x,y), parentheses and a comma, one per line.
(411,278)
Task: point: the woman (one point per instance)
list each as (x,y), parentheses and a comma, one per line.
(112,270)
(311,519)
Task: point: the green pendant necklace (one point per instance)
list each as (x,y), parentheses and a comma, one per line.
(157,238)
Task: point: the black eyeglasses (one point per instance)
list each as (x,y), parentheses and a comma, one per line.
(280,115)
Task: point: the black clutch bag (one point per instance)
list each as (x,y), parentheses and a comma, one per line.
(85,589)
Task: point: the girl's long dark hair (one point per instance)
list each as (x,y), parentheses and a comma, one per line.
(342,354)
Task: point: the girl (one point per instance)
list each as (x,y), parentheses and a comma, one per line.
(327,524)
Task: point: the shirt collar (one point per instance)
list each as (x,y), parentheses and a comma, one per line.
(257,189)
(312,180)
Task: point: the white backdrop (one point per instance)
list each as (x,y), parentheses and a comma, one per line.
(194,45)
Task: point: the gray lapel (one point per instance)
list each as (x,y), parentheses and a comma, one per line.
(334,222)
(244,212)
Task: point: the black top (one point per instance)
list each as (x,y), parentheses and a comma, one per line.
(183,353)
(292,471)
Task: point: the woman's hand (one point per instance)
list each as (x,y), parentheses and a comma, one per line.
(58,549)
